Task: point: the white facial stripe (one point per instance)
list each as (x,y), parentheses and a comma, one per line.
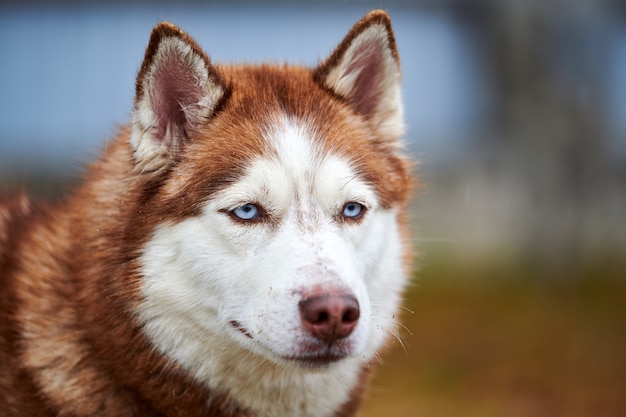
(300,171)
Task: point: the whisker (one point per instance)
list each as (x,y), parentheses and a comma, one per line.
(378,358)
(348,181)
(263,362)
(407,309)
(405,328)
(397,336)
(283,379)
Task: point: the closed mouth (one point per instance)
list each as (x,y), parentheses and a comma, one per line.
(321,359)
(315,357)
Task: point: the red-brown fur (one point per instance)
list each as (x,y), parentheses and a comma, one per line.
(69,274)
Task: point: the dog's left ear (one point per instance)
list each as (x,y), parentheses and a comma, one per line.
(177,89)
(365,71)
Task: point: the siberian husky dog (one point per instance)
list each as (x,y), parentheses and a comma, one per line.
(239,249)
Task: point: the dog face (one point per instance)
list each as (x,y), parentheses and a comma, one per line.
(301,225)
(277,240)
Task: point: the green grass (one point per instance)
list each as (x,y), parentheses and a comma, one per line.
(486,344)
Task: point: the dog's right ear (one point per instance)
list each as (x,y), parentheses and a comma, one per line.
(177,89)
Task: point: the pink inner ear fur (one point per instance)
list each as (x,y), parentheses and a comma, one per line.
(175,88)
(368,62)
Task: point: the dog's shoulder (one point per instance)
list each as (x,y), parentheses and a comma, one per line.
(16,213)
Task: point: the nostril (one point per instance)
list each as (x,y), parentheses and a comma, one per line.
(322,317)
(351,314)
(330,317)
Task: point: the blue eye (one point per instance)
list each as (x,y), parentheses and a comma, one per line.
(246,212)
(353,210)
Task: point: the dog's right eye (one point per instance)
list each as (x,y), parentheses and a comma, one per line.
(246,212)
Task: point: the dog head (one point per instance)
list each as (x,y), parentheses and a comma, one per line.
(278,208)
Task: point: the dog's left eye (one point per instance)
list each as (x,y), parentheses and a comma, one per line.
(246,212)
(353,210)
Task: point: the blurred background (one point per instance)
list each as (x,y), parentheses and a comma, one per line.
(516,112)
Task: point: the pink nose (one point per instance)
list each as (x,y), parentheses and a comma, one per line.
(330,317)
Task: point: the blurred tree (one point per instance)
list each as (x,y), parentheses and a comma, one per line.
(547,61)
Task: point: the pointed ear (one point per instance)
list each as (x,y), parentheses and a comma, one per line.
(365,71)
(177,89)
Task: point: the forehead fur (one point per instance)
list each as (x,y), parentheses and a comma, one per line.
(260,98)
